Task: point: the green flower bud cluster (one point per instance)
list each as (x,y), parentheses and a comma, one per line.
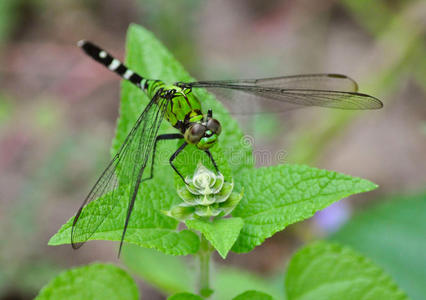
(206,194)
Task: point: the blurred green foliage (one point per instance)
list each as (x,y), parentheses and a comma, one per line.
(395,31)
(253,295)
(329,271)
(178,274)
(24,265)
(174,276)
(8,17)
(185,296)
(6,109)
(393,26)
(95,282)
(392,234)
(173,24)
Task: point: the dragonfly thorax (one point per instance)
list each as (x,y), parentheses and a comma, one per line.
(184,113)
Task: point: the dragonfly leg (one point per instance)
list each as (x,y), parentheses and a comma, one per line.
(162,137)
(172,158)
(211,158)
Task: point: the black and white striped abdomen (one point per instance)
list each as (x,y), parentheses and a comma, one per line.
(112,63)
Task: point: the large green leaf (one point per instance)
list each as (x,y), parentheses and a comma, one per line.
(96,281)
(324,271)
(392,234)
(275,197)
(148,227)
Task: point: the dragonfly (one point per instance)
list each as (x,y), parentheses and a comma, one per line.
(177,104)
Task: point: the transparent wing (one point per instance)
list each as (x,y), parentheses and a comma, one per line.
(331,82)
(282,93)
(125,170)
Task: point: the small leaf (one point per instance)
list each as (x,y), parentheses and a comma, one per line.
(253,295)
(185,296)
(323,271)
(221,233)
(167,273)
(390,234)
(275,197)
(96,281)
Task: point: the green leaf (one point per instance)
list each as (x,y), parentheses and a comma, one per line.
(156,231)
(391,235)
(330,271)
(96,281)
(221,233)
(253,295)
(167,273)
(275,197)
(185,296)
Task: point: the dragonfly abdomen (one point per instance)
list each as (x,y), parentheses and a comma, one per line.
(113,64)
(182,108)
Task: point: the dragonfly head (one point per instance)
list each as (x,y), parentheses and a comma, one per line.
(204,133)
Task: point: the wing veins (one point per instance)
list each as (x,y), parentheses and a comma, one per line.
(306,97)
(120,172)
(337,82)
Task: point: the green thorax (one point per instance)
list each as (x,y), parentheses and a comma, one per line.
(182,108)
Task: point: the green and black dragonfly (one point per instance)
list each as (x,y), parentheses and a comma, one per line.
(178,105)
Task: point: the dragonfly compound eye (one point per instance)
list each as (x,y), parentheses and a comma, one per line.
(194,133)
(214,126)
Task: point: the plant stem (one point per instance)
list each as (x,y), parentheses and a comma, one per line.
(205,256)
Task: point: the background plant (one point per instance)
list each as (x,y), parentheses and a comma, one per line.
(44,173)
(273,198)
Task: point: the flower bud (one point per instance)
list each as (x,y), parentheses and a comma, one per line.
(206,194)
